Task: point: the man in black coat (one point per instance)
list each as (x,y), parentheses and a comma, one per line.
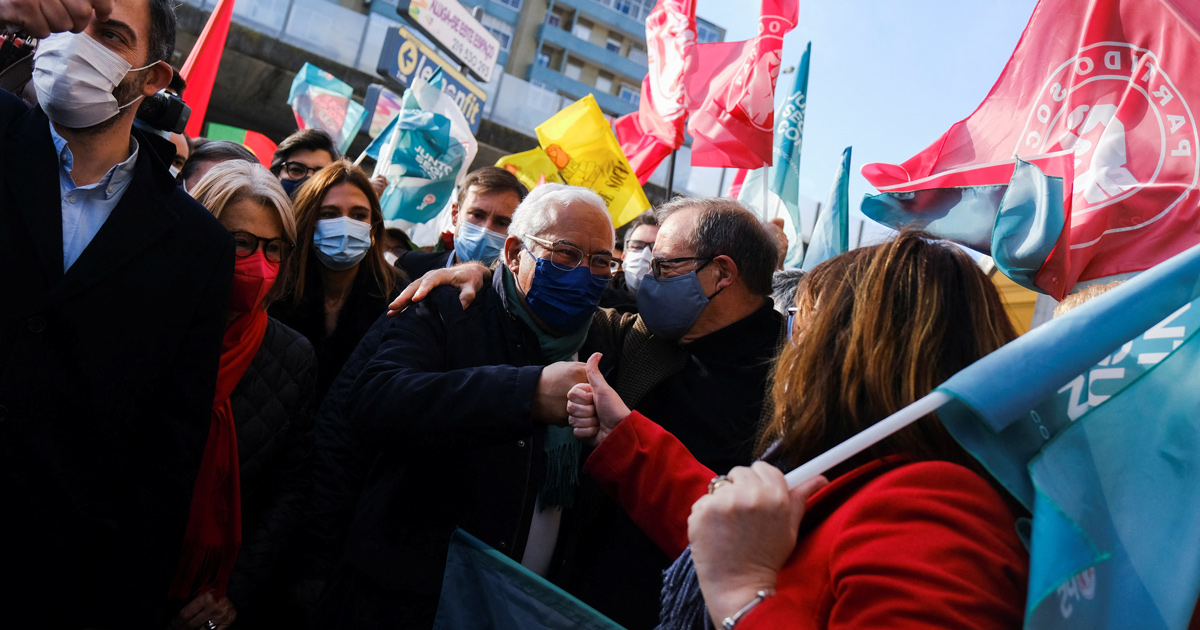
(115,290)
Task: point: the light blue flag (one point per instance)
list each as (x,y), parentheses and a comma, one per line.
(831,235)
(783,185)
(420,159)
(485,590)
(322,101)
(1091,422)
(377,143)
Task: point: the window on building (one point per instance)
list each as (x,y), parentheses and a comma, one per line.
(705,33)
(582,30)
(556,17)
(604,84)
(637,54)
(543,60)
(613,45)
(512,4)
(630,95)
(636,9)
(501,29)
(573,70)
(538,84)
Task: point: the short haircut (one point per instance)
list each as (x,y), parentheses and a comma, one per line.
(540,208)
(490,180)
(645,218)
(1077,298)
(234,180)
(726,228)
(214,151)
(160,44)
(303,140)
(177,84)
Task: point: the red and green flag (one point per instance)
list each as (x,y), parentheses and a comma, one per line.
(260,145)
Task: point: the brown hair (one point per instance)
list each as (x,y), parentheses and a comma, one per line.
(309,198)
(881,327)
(489,180)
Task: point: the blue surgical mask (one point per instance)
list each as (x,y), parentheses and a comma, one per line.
(341,243)
(290,186)
(475,243)
(671,306)
(564,300)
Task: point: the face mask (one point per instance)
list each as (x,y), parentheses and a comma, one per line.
(174,170)
(476,243)
(341,243)
(253,277)
(74,76)
(290,186)
(564,300)
(670,306)
(636,265)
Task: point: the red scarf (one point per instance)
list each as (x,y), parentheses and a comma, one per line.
(214,529)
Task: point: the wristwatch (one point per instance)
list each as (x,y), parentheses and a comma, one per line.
(733,619)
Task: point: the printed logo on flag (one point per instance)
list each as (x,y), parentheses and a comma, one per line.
(669,33)
(1128,125)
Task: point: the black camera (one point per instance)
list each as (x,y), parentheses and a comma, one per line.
(165,111)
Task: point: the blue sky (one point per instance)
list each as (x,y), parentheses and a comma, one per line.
(887,77)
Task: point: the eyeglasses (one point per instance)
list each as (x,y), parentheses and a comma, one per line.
(568,257)
(298,170)
(657,263)
(791,313)
(246,243)
(637,246)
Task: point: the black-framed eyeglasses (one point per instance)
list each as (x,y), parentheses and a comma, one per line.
(568,257)
(657,263)
(246,243)
(637,246)
(298,170)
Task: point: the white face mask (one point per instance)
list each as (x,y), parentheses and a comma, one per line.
(174,170)
(636,265)
(74,76)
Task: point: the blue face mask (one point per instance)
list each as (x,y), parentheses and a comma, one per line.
(290,186)
(479,244)
(564,300)
(670,306)
(341,243)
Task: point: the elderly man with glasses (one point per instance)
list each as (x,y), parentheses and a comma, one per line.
(462,405)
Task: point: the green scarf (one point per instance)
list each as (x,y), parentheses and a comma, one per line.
(562,449)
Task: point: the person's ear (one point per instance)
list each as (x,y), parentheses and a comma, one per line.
(726,271)
(512,254)
(158,77)
(454,216)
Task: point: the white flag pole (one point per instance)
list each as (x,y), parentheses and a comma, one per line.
(867,438)
(765,197)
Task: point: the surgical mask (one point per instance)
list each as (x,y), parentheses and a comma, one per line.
(253,277)
(341,243)
(74,76)
(174,170)
(564,300)
(670,306)
(290,186)
(636,265)
(476,243)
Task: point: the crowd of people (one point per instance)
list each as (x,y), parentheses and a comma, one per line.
(231,397)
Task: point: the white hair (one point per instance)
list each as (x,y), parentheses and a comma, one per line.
(540,209)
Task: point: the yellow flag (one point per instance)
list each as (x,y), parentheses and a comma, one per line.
(531,167)
(583,148)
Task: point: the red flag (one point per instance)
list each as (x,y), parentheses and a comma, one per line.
(731,92)
(1112,83)
(200,69)
(650,134)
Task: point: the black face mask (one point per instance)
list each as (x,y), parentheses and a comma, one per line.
(290,186)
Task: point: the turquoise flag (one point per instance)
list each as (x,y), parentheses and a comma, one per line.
(322,101)
(1091,422)
(783,179)
(831,236)
(485,590)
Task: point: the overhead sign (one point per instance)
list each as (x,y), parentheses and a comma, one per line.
(405,57)
(452,27)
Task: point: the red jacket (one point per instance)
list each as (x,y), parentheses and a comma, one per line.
(887,545)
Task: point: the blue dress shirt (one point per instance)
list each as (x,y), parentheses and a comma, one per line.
(86,208)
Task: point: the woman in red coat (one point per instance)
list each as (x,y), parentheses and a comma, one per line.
(910,534)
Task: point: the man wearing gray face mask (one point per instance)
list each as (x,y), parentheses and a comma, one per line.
(116,288)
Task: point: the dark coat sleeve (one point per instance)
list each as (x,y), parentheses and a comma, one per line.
(281,501)
(410,394)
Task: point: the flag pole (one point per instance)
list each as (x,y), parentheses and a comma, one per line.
(867,438)
(765,177)
(671,175)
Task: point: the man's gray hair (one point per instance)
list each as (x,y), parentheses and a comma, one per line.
(540,209)
(726,227)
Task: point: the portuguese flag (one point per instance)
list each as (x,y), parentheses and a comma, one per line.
(260,145)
